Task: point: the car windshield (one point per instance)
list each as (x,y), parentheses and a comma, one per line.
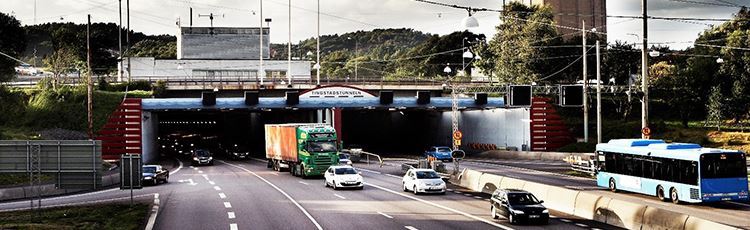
(328,146)
(202,153)
(149,169)
(343,171)
(239,148)
(522,199)
(444,150)
(427,175)
(343,156)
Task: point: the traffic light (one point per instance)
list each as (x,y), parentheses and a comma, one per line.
(519,96)
(571,95)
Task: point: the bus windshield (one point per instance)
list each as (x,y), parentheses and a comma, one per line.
(327,146)
(723,166)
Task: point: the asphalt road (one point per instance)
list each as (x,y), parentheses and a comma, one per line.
(247,195)
(548,172)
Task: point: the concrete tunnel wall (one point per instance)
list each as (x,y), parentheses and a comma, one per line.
(502,127)
(149,133)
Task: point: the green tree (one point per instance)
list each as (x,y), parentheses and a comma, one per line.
(12,43)
(516,43)
(715,107)
(61,63)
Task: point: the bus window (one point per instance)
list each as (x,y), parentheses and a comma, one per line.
(722,166)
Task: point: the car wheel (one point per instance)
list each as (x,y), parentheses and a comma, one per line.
(415,190)
(334,185)
(166,180)
(511,219)
(325,182)
(612,185)
(361,188)
(675,197)
(405,190)
(660,193)
(493,213)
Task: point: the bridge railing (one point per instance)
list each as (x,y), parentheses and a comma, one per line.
(311,80)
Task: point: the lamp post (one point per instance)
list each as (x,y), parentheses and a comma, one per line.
(317,63)
(261,71)
(289,49)
(356,55)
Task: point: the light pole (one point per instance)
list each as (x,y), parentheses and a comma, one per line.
(598,94)
(289,48)
(644,68)
(356,55)
(261,71)
(317,63)
(585,87)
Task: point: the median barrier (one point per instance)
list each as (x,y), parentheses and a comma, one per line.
(625,214)
(512,183)
(561,199)
(586,205)
(539,190)
(656,218)
(473,179)
(602,209)
(489,182)
(695,223)
(529,155)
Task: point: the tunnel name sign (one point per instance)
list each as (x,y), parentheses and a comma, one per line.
(336,92)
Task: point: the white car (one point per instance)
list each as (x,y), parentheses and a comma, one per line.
(343,176)
(344,159)
(423,181)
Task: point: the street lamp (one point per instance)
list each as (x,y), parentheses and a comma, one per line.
(654,53)
(356,55)
(719,60)
(447,69)
(470,22)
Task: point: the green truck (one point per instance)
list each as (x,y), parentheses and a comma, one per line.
(303,149)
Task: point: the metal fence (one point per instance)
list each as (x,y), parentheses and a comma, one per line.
(75,164)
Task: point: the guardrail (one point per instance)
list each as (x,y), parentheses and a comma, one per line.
(359,152)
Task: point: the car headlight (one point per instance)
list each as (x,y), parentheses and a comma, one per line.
(195,158)
(545,211)
(235,154)
(210,158)
(517,212)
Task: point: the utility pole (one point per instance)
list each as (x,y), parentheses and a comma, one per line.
(356,62)
(119,41)
(289,48)
(585,88)
(261,71)
(90,82)
(317,72)
(127,36)
(598,94)
(644,68)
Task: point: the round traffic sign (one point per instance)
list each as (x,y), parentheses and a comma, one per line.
(457,135)
(646,131)
(458,154)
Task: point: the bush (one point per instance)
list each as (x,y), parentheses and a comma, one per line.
(160,88)
(130,86)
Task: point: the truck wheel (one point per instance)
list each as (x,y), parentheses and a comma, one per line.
(270,164)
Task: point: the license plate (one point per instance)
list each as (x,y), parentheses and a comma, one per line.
(534,216)
(434,188)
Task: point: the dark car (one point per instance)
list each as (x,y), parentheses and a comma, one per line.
(238,152)
(202,157)
(518,206)
(154,174)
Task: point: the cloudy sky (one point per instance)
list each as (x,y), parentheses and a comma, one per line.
(341,16)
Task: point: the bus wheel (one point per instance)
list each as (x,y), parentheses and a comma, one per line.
(612,185)
(674,196)
(660,193)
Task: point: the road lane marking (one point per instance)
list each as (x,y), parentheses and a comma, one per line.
(315,222)
(227,205)
(582,225)
(466,194)
(222,195)
(217,188)
(200,171)
(233,226)
(302,182)
(442,207)
(231,215)
(477,197)
(565,220)
(339,196)
(410,228)
(154,213)
(205,177)
(274,173)
(211,182)
(178,168)
(386,215)
(449,190)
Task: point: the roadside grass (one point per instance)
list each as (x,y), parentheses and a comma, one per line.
(12,179)
(94,217)
(578,174)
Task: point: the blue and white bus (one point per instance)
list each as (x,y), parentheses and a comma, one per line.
(672,171)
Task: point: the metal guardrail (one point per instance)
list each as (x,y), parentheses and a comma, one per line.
(359,153)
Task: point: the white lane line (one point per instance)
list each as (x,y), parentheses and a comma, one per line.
(154,213)
(178,167)
(386,215)
(442,207)
(410,227)
(192,167)
(233,226)
(200,171)
(227,205)
(302,182)
(217,188)
(477,197)
(582,225)
(315,222)
(211,182)
(596,229)
(466,194)
(457,192)
(449,190)
(205,177)
(275,173)
(565,220)
(339,196)
(231,215)
(222,195)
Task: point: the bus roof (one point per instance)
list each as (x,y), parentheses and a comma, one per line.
(658,148)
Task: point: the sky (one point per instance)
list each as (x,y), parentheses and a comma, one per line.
(342,16)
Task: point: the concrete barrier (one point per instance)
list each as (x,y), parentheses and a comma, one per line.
(561,199)
(586,205)
(528,155)
(589,205)
(656,218)
(625,214)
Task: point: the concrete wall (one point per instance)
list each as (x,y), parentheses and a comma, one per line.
(149,133)
(502,127)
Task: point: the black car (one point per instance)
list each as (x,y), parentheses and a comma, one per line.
(154,174)
(518,206)
(202,157)
(238,152)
